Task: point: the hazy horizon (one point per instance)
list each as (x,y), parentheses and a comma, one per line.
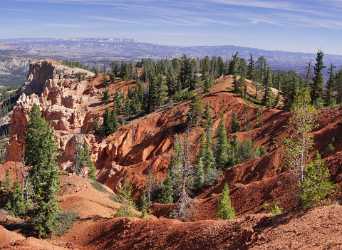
(294,26)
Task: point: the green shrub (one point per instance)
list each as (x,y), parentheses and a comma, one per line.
(65,222)
(125,194)
(330,148)
(98,186)
(316,184)
(235,127)
(183,95)
(273,208)
(125,211)
(260,151)
(16,203)
(225,209)
(245,150)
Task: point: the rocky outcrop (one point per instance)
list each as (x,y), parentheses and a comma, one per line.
(58,91)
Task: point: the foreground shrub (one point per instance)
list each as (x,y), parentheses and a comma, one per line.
(65,222)
(225,209)
(316,184)
(273,208)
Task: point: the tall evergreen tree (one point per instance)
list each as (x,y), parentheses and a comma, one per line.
(207,84)
(41,155)
(222,148)
(308,75)
(105,97)
(199,179)
(83,159)
(162,90)
(329,95)
(236,84)
(234,64)
(153,95)
(110,122)
(338,86)
(268,100)
(206,159)
(235,126)
(318,80)
(195,112)
(167,191)
(260,69)
(172,184)
(251,68)
(208,123)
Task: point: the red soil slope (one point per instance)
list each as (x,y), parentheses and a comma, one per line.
(146,144)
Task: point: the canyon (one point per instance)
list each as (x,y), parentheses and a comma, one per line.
(71,101)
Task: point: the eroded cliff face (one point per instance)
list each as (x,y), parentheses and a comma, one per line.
(58,90)
(70,99)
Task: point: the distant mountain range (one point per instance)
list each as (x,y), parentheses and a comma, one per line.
(15,53)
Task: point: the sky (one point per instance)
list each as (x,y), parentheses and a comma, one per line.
(290,25)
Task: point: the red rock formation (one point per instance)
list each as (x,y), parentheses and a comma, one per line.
(145,143)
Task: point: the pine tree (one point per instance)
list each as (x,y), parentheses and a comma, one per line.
(167,192)
(41,155)
(110,122)
(208,123)
(206,166)
(251,68)
(234,64)
(260,69)
(193,79)
(172,184)
(244,151)
(186,73)
(235,127)
(308,75)
(88,162)
(105,97)
(106,81)
(207,84)
(222,147)
(318,80)
(114,120)
(329,96)
(145,204)
(225,209)
(338,87)
(236,84)
(200,175)
(162,90)
(83,159)
(316,184)
(195,112)
(153,99)
(119,102)
(107,125)
(125,192)
(267,100)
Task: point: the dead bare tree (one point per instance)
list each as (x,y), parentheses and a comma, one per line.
(184,202)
